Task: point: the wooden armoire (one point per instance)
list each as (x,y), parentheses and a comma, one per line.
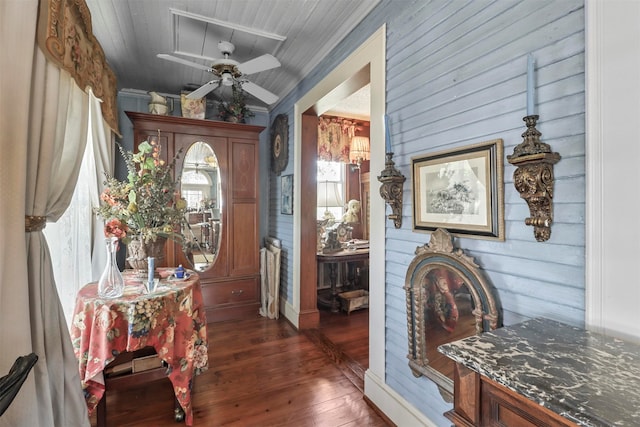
(231,284)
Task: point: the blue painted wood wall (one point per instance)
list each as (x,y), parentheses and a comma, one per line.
(456,75)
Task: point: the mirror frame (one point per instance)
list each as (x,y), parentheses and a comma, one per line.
(220,202)
(439,252)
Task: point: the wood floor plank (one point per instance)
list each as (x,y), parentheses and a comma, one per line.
(262,373)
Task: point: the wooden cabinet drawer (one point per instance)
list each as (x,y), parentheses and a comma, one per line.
(236,292)
(502,407)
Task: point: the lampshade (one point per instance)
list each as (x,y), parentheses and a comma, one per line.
(329,194)
(359,149)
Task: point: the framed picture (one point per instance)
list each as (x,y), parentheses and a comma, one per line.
(460,190)
(287,194)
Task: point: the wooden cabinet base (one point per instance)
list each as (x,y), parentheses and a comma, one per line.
(479,401)
(230,300)
(234,312)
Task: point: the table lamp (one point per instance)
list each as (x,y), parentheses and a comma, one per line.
(329,197)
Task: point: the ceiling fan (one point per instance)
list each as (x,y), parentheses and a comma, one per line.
(228,72)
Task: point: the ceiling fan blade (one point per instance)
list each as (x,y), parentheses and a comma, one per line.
(204,89)
(259,92)
(261,63)
(184,62)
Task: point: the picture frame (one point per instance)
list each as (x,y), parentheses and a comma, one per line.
(287,194)
(460,190)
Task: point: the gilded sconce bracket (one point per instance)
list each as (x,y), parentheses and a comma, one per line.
(534,179)
(391,189)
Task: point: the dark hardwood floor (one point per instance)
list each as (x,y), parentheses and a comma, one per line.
(265,373)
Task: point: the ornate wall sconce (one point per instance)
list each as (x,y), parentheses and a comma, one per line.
(391,189)
(534,179)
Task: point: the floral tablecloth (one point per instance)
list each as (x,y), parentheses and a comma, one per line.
(171,320)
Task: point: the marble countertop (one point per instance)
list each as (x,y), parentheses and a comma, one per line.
(589,378)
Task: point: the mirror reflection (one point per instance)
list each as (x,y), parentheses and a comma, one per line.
(200,186)
(448,314)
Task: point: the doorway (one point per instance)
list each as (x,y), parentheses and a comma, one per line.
(369,62)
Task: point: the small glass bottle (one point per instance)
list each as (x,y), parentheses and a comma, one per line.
(111,283)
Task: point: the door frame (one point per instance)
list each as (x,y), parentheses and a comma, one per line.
(301,312)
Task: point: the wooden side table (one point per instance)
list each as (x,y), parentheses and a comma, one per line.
(345,256)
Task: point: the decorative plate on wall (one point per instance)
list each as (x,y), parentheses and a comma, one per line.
(279,143)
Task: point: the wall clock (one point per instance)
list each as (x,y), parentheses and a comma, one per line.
(279,143)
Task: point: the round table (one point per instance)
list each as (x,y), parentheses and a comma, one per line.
(171,320)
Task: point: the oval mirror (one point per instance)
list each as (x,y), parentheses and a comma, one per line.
(200,187)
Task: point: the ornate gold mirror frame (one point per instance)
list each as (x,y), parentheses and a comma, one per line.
(447,299)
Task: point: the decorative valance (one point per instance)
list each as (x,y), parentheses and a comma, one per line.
(66,37)
(334,138)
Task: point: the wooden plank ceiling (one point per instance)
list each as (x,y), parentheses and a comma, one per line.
(299,33)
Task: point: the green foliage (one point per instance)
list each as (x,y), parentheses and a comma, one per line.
(236,108)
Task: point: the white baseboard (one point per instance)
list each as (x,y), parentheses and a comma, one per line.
(394,406)
(289,312)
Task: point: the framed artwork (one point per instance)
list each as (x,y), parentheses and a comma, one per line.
(193,108)
(287,194)
(460,190)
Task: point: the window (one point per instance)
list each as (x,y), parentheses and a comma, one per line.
(195,188)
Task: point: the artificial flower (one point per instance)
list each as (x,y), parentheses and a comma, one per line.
(145,206)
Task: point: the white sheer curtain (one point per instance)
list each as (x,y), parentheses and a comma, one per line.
(44,123)
(76,240)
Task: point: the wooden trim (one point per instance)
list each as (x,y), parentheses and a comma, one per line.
(466,399)
(309,319)
(308,241)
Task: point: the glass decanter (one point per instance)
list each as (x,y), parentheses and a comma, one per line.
(111,283)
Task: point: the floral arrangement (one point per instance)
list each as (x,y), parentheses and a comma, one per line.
(145,205)
(236,110)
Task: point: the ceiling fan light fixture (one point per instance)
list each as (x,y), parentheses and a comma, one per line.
(227,79)
(229,72)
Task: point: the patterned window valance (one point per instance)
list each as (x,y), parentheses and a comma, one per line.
(66,37)
(334,137)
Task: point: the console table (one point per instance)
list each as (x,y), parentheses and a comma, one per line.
(544,373)
(171,320)
(345,256)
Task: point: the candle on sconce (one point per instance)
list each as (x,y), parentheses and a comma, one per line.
(387,137)
(531,89)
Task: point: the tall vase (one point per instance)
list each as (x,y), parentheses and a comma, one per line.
(111,283)
(139,253)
